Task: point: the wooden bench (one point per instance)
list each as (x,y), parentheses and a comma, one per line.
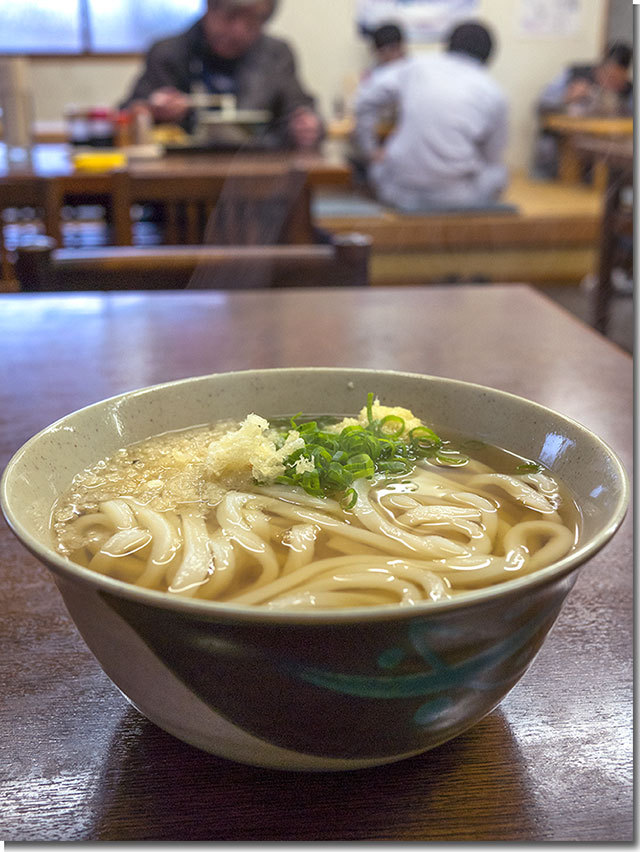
(344,263)
(553,238)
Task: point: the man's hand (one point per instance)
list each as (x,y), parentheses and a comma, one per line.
(304,127)
(169,104)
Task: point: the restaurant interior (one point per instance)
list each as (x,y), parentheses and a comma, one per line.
(552,233)
(137,250)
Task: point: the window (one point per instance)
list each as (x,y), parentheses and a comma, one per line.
(40,26)
(91,26)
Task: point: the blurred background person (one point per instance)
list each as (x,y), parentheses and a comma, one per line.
(602,89)
(226,52)
(388,44)
(448,144)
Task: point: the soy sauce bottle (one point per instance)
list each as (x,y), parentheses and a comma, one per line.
(102,129)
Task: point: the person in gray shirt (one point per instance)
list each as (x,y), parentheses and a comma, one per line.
(226,52)
(447,148)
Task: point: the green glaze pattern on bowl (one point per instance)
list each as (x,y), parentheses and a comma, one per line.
(317,690)
(411,682)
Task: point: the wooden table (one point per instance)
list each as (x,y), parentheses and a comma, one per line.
(60,183)
(569,127)
(553,762)
(55,161)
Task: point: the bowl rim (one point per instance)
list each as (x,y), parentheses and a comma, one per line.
(61,565)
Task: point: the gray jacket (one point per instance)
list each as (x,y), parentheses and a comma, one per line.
(265,77)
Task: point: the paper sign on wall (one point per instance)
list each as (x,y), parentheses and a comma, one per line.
(421,20)
(557,18)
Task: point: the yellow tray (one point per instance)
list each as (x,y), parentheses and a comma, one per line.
(99,161)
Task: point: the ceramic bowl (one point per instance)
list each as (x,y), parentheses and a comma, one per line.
(316,690)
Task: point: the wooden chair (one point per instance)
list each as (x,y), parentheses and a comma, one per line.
(74,190)
(616,229)
(19,192)
(268,206)
(345,262)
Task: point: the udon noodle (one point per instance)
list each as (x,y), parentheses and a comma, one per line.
(173,514)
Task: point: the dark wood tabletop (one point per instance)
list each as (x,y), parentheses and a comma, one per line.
(552,763)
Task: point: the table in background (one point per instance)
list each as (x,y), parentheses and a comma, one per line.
(569,127)
(553,762)
(51,160)
(52,176)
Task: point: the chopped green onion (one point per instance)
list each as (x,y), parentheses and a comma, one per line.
(392,425)
(370,398)
(310,481)
(450,458)
(321,457)
(529,467)
(309,428)
(397,467)
(381,447)
(350,498)
(360,466)
(422,434)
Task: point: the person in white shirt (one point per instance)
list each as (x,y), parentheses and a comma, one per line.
(447,147)
(387,45)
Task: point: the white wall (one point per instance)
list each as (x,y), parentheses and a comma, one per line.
(58,83)
(331,55)
(524,65)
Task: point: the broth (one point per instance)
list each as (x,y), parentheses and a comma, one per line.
(160,515)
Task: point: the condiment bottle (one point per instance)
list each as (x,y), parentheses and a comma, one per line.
(77,126)
(101,127)
(124,129)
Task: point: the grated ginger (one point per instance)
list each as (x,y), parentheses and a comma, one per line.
(379,411)
(251,448)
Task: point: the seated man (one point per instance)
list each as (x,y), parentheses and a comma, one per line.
(387,45)
(447,147)
(226,52)
(601,89)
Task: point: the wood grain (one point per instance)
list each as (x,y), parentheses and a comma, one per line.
(553,762)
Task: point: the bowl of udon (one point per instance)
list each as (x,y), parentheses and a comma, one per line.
(314,569)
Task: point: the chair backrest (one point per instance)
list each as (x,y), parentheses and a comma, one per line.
(270,205)
(345,262)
